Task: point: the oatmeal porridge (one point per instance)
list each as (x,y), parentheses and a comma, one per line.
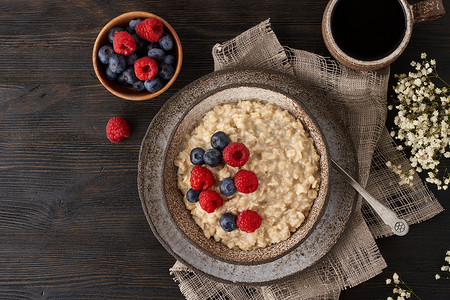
(284,159)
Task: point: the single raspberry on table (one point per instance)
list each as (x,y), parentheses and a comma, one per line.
(246,181)
(117,129)
(145,68)
(248,221)
(150,29)
(235,154)
(209,200)
(201,178)
(124,43)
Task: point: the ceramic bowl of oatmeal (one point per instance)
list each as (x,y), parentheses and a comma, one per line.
(287,155)
(290,135)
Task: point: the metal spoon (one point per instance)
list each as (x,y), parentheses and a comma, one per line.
(398,226)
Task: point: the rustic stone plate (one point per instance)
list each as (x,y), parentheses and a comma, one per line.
(171,221)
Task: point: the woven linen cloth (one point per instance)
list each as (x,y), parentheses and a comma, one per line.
(359,100)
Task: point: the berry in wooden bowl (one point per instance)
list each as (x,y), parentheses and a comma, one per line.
(137,56)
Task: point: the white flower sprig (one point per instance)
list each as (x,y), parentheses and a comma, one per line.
(422,123)
(445,269)
(400,290)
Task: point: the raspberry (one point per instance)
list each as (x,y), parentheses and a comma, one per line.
(246,181)
(117,129)
(150,29)
(201,178)
(124,43)
(145,68)
(235,154)
(210,200)
(248,221)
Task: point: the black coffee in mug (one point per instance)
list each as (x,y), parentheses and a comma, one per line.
(368,29)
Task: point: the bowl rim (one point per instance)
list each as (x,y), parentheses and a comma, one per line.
(344,197)
(136,96)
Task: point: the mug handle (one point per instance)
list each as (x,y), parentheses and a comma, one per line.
(427,10)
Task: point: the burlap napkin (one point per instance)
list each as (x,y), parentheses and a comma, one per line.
(359,99)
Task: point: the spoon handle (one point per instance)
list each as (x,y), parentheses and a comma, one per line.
(398,226)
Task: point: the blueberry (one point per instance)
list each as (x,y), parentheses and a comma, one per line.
(166,71)
(169,60)
(131,59)
(139,86)
(228,222)
(129,30)
(121,79)
(197,156)
(105,53)
(153,85)
(219,140)
(156,53)
(112,32)
(117,63)
(152,45)
(129,76)
(110,74)
(133,23)
(212,157)
(166,42)
(141,44)
(227,187)
(192,195)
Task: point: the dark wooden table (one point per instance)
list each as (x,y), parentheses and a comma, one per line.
(71,222)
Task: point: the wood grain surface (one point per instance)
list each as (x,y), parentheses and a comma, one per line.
(71,222)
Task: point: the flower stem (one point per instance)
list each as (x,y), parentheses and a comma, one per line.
(439,77)
(410,290)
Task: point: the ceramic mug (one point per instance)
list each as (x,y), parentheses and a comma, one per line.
(420,12)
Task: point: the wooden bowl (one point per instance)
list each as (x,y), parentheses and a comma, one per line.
(127,92)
